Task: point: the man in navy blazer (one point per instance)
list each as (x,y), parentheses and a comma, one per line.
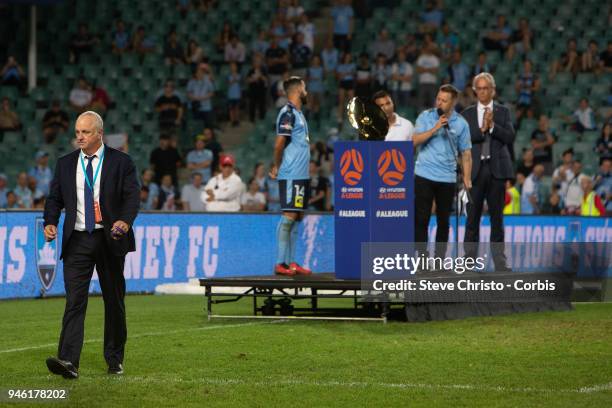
(98,188)
(492,136)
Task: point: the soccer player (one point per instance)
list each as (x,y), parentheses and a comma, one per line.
(291,165)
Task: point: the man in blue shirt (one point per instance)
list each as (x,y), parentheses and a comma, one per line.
(200,91)
(440,138)
(342,14)
(291,167)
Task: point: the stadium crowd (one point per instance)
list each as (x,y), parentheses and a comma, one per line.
(292,45)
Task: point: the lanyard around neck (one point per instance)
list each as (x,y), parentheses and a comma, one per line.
(91,184)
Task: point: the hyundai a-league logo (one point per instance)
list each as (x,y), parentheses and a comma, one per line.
(391,167)
(351,167)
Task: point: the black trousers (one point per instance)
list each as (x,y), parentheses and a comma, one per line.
(84,251)
(426,191)
(257,103)
(493,190)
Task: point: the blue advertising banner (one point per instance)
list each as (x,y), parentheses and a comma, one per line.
(374,199)
(178,246)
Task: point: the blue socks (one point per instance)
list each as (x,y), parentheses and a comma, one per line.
(283,237)
(290,254)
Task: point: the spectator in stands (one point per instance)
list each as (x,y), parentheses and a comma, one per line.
(592,205)
(314,79)
(554,206)
(521,39)
(427,66)
(342,24)
(568,62)
(235,51)
(12,202)
(81,43)
(363,76)
(80,96)
(279,94)
(100,100)
(564,173)
(280,31)
(277,61)
(294,11)
(55,121)
(193,195)
(512,199)
(141,43)
(381,74)
(195,54)
(165,159)
(319,186)
(300,55)
(482,65)
(603,145)
(527,85)
(458,72)
(431,18)
(211,143)
(583,118)
(498,39)
(272,193)
(144,199)
(224,190)
(41,172)
(257,80)
(260,44)
(169,108)
(167,194)
(146,180)
(174,53)
(183,7)
(591,61)
(572,197)
(411,48)
(9,120)
(527,163)
(323,155)
(234,94)
(542,140)
(428,42)
(12,73)
(530,200)
(23,192)
(3,190)
(199,160)
(330,57)
(308,31)
(345,74)
(603,183)
(259,175)
(253,199)
(121,38)
(606,58)
(401,80)
(37,194)
(224,37)
(382,45)
(466,98)
(200,91)
(447,41)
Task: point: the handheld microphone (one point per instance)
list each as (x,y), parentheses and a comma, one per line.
(441,113)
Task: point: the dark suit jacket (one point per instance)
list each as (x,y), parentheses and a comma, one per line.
(502,140)
(119,197)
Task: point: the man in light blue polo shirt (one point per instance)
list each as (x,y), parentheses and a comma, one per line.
(440,139)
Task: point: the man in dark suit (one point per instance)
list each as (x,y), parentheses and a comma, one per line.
(98,188)
(492,136)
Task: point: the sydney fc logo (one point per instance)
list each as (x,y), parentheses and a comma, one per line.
(46,257)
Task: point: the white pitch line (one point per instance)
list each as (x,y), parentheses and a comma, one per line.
(359,384)
(136,336)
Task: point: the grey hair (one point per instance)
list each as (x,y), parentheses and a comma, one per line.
(483,75)
(98,122)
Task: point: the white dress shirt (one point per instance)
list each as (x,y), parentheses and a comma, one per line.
(80,187)
(227,192)
(400,131)
(481,111)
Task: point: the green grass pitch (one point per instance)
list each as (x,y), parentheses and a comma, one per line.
(174,357)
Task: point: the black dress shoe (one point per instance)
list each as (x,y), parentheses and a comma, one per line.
(503,268)
(64,368)
(115,369)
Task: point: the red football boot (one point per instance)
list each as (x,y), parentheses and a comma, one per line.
(299,270)
(283,269)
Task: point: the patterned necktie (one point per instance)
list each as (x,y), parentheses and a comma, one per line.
(90,220)
(486,146)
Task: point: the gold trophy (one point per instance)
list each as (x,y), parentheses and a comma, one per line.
(369,120)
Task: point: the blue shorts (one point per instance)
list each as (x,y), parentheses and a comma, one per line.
(294,194)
